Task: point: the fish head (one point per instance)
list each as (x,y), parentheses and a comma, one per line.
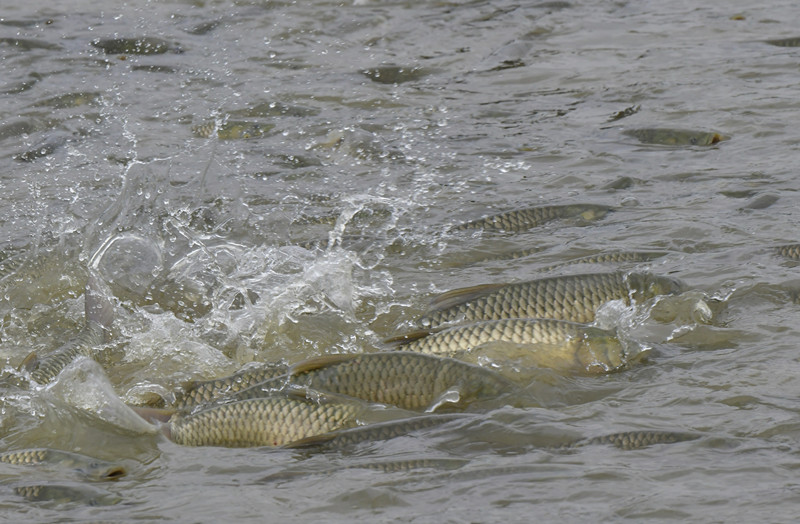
(601,352)
(644,286)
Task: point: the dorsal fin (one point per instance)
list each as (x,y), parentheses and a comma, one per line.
(312,441)
(30,363)
(154,415)
(459,296)
(407,338)
(323,361)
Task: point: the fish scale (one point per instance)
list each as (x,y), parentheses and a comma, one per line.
(88,466)
(270,421)
(524,219)
(789,251)
(572,297)
(513,330)
(196,393)
(407,380)
(557,344)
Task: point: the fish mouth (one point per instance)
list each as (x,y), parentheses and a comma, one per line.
(115,473)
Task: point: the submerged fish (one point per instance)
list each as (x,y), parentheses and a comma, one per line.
(231,130)
(524,219)
(391,466)
(62,494)
(675,137)
(613,257)
(630,440)
(549,343)
(345,438)
(70,100)
(407,380)
(390,74)
(89,467)
(785,42)
(270,421)
(572,297)
(99,316)
(203,392)
(628,111)
(791,251)
(132,46)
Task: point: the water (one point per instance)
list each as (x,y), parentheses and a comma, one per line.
(374,127)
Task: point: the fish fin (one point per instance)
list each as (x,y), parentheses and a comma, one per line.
(30,363)
(319,397)
(154,415)
(459,296)
(190,385)
(407,338)
(320,362)
(98,306)
(151,399)
(312,441)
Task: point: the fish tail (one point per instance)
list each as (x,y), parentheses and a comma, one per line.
(99,308)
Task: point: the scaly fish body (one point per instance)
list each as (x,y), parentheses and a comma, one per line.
(270,421)
(231,130)
(406,380)
(630,440)
(537,342)
(89,467)
(203,392)
(573,297)
(791,251)
(132,46)
(524,219)
(785,42)
(99,316)
(62,494)
(346,438)
(675,137)
(614,257)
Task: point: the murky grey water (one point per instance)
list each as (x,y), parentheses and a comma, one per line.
(279,183)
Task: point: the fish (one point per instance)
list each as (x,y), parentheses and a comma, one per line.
(525,219)
(202,392)
(65,493)
(536,342)
(630,440)
(99,316)
(231,130)
(675,137)
(89,467)
(613,257)
(132,46)
(28,44)
(273,421)
(572,297)
(346,438)
(390,466)
(44,148)
(791,251)
(785,42)
(628,111)
(390,74)
(406,380)
(70,100)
